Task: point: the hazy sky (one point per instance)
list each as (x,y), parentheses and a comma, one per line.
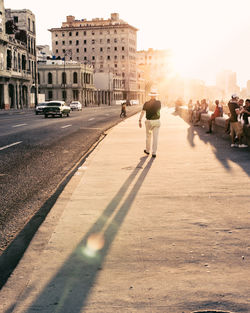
(205,35)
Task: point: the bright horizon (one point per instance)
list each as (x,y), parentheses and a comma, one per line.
(205,36)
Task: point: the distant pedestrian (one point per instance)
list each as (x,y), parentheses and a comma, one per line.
(123,110)
(152,123)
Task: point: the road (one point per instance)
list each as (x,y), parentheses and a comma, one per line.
(36,154)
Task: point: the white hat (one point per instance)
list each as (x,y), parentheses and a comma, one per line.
(153,93)
(234,96)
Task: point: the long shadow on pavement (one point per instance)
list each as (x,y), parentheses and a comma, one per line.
(221,148)
(70,287)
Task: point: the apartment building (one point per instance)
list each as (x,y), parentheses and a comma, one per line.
(18,71)
(109,45)
(66,81)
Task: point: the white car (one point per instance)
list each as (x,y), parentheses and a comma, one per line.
(76,105)
(39,108)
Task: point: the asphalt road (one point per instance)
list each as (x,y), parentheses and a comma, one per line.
(36,154)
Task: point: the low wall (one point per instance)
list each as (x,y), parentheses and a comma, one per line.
(218,125)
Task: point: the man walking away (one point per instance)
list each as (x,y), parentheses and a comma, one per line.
(152,123)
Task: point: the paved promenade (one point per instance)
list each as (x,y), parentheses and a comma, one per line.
(135,234)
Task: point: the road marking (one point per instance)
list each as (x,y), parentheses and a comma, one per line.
(11,145)
(66,126)
(91,119)
(19,125)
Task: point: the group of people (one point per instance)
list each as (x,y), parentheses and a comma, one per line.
(236,124)
(239,121)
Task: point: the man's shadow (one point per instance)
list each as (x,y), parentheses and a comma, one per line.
(71,285)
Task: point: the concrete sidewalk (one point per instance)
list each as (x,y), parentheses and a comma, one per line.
(135,234)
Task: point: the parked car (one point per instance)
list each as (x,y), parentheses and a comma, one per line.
(76,105)
(39,108)
(54,108)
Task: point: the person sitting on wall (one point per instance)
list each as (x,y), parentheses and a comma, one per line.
(217,113)
(203,109)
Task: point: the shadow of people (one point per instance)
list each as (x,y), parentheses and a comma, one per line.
(190,135)
(221,148)
(71,285)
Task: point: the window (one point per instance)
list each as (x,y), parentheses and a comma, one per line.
(56,42)
(50,94)
(101,49)
(63,34)
(77,50)
(50,80)
(76,33)
(56,35)
(64,78)
(28,23)
(70,42)
(115,57)
(75,78)
(38,77)
(108,49)
(15,19)
(115,40)
(93,57)
(115,48)
(100,32)
(115,65)
(93,33)
(108,57)
(123,48)
(77,42)
(115,31)
(64,95)
(56,50)
(63,50)
(93,41)
(84,33)
(85,42)
(63,42)
(70,33)
(100,40)
(93,49)
(123,57)
(108,40)
(85,58)
(85,49)
(75,94)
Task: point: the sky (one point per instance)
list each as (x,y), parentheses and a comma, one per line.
(206,36)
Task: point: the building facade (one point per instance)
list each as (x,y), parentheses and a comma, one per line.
(66,81)
(110,45)
(18,72)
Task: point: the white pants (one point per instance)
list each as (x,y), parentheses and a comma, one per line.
(152,126)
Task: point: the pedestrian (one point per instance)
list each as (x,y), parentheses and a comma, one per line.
(152,123)
(123,110)
(236,128)
(217,113)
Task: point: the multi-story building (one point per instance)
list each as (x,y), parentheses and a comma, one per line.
(156,66)
(226,81)
(18,72)
(110,45)
(66,81)
(43,53)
